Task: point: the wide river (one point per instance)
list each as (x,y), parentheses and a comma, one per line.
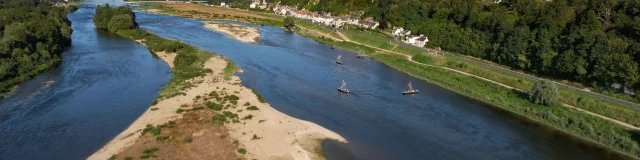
(106,82)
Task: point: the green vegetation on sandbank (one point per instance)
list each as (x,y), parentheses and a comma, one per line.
(188,64)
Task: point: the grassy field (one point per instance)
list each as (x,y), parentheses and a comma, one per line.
(372,33)
(311,26)
(369,41)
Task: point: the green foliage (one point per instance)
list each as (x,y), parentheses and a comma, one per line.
(242,151)
(252,108)
(114,19)
(260,98)
(121,22)
(33,34)
(214,106)
(156,130)
(584,40)
(229,70)
(289,23)
(219,119)
(187,140)
(544,92)
(189,62)
(149,153)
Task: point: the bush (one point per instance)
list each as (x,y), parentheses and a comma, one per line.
(242,151)
(219,119)
(213,106)
(121,22)
(288,23)
(544,92)
(252,108)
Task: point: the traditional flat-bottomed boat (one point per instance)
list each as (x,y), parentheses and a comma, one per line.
(339,60)
(409,89)
(343,88)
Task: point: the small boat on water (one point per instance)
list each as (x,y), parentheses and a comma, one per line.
(363,56)
(339,59)
(409,89)
(333,47)
(343,88)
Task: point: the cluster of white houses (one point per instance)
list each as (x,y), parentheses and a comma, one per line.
(338,21)
(325,19)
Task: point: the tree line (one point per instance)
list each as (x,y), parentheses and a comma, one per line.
(595,42)
(114,19)
(33,34)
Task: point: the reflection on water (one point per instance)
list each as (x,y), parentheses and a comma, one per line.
(104,83)
(299,77)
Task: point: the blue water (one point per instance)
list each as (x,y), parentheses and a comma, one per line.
(104,83)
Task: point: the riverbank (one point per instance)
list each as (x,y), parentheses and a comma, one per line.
(239,32)
(198,104)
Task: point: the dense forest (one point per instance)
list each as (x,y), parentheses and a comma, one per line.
(33,34)
(591,41)
(114,19)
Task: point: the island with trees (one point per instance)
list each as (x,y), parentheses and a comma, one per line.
(33,34)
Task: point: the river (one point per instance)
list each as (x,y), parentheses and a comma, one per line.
(106,82)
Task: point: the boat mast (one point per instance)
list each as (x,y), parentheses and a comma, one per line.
(343,85)
(410,86)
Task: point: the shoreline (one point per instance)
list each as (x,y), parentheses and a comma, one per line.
(242,33)
(282,136)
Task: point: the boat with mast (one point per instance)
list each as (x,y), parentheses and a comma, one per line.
(339,59)
(343,88)
(409,89)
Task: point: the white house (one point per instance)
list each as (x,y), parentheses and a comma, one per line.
(222,4)
(419,41)
(253,5)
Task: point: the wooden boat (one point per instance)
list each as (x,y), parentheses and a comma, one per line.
(343,88)
(363,56)
(339,60)
(333,47)
(409,89)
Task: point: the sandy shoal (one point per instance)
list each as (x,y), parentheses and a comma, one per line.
(281,136)
(239,32)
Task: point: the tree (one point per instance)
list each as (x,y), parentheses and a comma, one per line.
(288,23)
(544,92)
(121,22)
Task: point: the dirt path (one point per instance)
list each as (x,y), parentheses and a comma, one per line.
(488,80)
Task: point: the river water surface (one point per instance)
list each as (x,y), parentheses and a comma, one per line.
(106,82)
